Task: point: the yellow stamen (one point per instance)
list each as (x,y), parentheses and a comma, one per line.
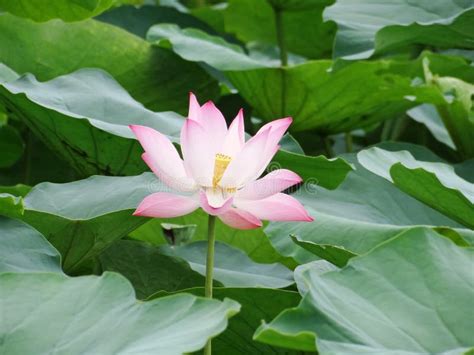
(220,164)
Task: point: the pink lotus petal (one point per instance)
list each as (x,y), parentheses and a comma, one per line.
(279,207)
(163,158)
(277,130)
(235,138)
(166,205)
(214,122)
(247,163)
(212,205)
(240,219)
(272,183)
(199,152)
(183,183)
(278,127)
(194,112)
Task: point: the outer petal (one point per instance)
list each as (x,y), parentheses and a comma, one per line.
(194,112)
(166,205)
(199,152)
(163,158)
(240,219)
(279,207)
(247,163)
(235,138)
(270,184)
(277,130)
(214,206)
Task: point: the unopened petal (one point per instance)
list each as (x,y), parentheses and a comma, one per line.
(279,207)
(166,205)
(270,184)
(240,219)
(163,158)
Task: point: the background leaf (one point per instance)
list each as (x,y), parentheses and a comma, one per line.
(257,304)
(232,267)
(43,308)
(380,301)
(67,10)
(330,100)
(83,218)
(365,26)
(138,20)
(442,189)
(148,269)
(84,117)
(253,242)
(364,211)
(23,249)
(195,45)
(305,32)
(153,76)
(11,146)
(427,115)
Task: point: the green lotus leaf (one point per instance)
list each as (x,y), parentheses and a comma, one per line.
(364,211)
(435,184)
(84,217)
(365,26)
(399,298)
(67,10)
(154,76)
(232,267)
(23,249)
(148,269)
(90,314)
(257,304)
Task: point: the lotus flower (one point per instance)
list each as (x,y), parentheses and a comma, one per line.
(219,171)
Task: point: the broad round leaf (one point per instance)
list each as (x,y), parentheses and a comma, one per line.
(84,217)
(91,314)
(153,76)
(305,33)
(196,45)
(442,189)
(427,115)
(11,146)
(411,295)
(257,304)
(23,249)
(138,20)
(365,26)
(253,242)
(148,269)
(67,10)
(84,117)
(364,211)
(232,267)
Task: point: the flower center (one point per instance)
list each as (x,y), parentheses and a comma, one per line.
(220,164)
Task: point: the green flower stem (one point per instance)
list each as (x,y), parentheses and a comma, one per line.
(211,240)
(348,139)
(328,146)
(281,37)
